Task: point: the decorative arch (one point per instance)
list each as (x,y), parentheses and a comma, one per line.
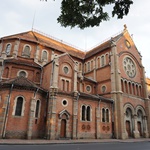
(64,112)
(128,105)
(139,107)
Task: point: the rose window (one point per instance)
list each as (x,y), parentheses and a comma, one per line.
(129,67)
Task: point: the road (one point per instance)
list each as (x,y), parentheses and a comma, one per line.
(88,146)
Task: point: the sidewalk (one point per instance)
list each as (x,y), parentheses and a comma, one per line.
(80,141)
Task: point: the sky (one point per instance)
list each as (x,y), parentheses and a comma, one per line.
(22,15)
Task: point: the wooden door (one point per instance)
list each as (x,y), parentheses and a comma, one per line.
(128,128)
(139,128)
(63,128)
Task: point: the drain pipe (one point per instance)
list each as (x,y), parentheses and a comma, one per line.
(6,113)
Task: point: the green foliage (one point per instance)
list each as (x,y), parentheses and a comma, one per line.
(90,13)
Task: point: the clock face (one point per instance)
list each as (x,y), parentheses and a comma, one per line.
(129,67)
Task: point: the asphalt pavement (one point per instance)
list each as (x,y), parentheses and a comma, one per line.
(68,141)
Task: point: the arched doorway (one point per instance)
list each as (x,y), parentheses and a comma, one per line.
(128,128)
(63,129)
(140,125)
(129,123)
(64,125)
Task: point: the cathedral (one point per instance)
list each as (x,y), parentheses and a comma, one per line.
(51,90)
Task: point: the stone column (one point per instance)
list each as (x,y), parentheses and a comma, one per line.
(75,115)
(52,114)
(75,78)
(16,48)
(94,67)
(116,93)
(31,118)
(98,120)
(146,134)
(3,117)
(36,58)
(135,132)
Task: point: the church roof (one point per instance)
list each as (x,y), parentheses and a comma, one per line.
(20,82)
(58,45)
(48,41)
(23,61)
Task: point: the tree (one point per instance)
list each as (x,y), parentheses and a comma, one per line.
(90,13)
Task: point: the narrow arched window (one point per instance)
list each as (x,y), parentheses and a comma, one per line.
(26,51)
(102,61)
(63,85)
(37,110)
(88,66)
(19,105)
(103,115)
(88,113)
(8,49)
(83,112)
(67,85)
(107,115)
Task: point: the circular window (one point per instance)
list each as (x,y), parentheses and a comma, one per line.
(66,70)
(22,74)
(129,67)
(103,89)
(88,88)
(64,102)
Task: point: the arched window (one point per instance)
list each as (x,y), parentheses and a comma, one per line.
(8,49)
(88,66)
(103,115)
(19,106)
(98,62)
(107,115)
(26,51)
(37,110)
(67,84)
(83,113)
(102,61)
(88,113)
(63,84)
(122,85)
(44,55)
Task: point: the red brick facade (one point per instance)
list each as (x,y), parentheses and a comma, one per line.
(51,90)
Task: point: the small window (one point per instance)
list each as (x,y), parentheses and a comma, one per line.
(8,49)
(19,105)
(88,88)
(102,61)
(64,102)
(103,89)
(37,109)
(22,74)
(83,113)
